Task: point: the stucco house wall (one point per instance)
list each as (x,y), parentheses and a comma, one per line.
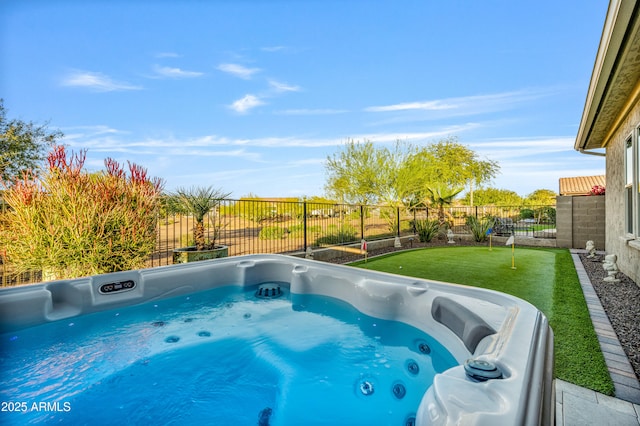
(616,242)
(611,115)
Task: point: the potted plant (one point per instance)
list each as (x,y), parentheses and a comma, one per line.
(199,202)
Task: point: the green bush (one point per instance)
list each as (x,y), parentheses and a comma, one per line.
(314,228)
(186,240)
(427,229)
(272,233)
(297,230)
(480,227)
(390,216)
(527,214)
(338,235)
(277,232)
(257,211)
(548,214)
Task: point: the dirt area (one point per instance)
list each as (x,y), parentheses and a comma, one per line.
(242,236)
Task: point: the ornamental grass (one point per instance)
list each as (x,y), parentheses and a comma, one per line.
(69,223)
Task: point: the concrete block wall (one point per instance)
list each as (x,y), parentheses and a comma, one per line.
(580,219)
(564,221)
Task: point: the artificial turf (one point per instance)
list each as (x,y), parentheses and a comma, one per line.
(544,277)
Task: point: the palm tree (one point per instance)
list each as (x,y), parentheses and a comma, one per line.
(441,195)
(199,201)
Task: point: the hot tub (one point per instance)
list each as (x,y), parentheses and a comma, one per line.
(492,360)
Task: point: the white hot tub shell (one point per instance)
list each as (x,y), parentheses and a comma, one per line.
(498,334)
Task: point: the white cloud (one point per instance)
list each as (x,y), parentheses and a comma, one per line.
(532,175)
(427,105)
(88,136)
(287,142)
(170,72)
(103,138)
(417,136)
(549,142)
(293,141)
(239,153)
(508,148)
(467,105)
(246,103)
(96,81)
(238,70)
(283,87)
(98,129)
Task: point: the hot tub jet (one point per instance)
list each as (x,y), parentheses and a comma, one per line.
(366,388)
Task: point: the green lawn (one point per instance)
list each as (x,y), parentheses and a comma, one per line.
(544,277)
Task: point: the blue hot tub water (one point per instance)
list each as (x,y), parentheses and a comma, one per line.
(221,356)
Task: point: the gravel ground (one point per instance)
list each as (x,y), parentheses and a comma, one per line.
(621,301)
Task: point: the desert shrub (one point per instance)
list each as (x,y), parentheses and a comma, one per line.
(69,223)
(338,235)
(547,214)
(480,227)
(277,232)
(186,240)
(256,210)
(427,229)
(272,233)
(390,216)
(298,230)
(314,229)
(527,214)
(406,226)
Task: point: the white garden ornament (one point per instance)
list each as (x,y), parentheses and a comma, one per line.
(611,267)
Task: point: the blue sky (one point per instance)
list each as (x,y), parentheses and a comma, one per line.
(252,96)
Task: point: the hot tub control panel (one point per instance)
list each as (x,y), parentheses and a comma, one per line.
(117,287)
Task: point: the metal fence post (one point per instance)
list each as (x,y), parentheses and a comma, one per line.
(361,222)
(414,221)
(304,223)
(398,218)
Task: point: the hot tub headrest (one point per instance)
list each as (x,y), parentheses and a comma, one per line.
(468,326)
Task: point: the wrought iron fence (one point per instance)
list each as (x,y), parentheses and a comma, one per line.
(532,221)
(264,226)
(259,226)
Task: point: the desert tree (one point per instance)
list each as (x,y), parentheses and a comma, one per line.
(23,145)
(448,162)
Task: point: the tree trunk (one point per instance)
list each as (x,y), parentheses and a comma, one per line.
(198,236)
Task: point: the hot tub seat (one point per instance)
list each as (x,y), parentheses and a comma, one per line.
(469,327)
